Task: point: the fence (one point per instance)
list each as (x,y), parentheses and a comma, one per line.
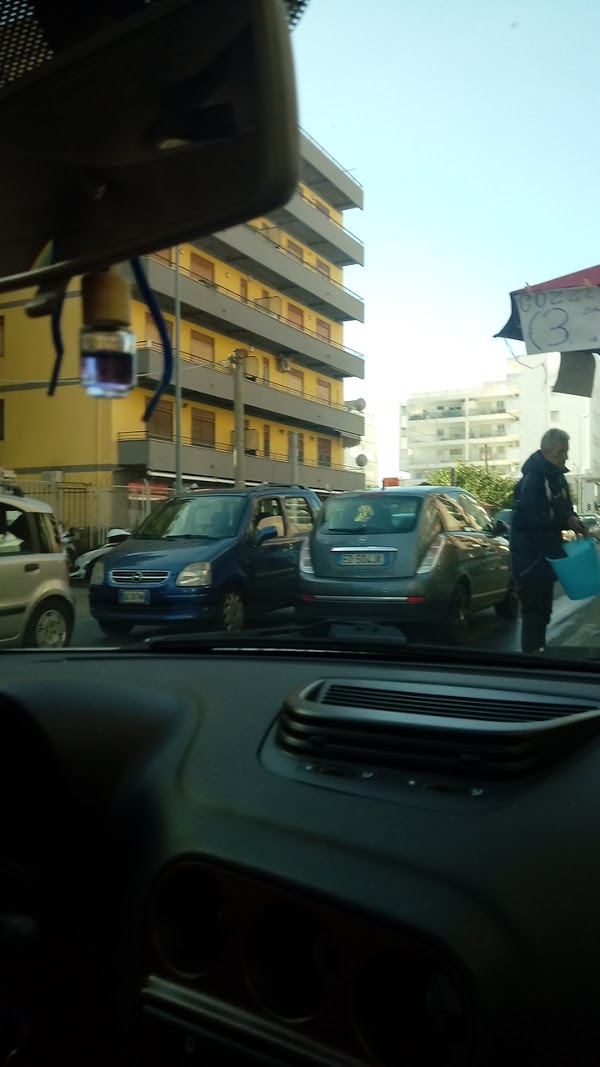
(90,510)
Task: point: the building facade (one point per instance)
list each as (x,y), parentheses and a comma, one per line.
(478,425)
(273,288)
(578,415)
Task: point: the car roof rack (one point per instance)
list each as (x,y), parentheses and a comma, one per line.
(283,485)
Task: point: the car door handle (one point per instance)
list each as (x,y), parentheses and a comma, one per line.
(32,566)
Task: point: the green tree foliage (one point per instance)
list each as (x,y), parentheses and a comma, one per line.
(490,488)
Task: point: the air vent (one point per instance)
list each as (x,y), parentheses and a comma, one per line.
(446,702)
(475,734)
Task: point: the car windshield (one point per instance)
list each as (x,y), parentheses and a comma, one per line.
(419,311)
(212,517)
(372,514)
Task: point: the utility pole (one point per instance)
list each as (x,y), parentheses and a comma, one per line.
(239,433)
(178,478)
(294,479)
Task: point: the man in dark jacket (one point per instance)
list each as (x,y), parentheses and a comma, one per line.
(542,510)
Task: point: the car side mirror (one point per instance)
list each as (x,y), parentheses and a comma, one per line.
(501,528)
(266,534)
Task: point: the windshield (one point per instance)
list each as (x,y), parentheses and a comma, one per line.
(212,517)
(421,314)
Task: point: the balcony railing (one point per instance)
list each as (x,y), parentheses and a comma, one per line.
(335,222)
(223,446)
(450,413)
(273,235)
(189,357)
(478,433)
(329,156)
(256,305)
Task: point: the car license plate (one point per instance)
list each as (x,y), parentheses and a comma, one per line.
(134,596)
(362,559)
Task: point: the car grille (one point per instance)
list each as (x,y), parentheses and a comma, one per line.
(133,577)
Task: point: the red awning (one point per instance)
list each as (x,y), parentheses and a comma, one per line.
(591,276)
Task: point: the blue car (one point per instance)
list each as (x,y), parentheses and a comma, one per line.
(207,557)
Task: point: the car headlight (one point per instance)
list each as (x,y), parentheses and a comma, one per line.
(195,574)
(97,575)
(306,563)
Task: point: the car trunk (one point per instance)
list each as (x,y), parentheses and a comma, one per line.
(375,555)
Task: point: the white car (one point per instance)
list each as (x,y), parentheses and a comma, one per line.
(36,602)
(83,565)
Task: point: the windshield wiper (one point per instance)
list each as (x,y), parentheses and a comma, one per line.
(346,529)
(349,637)
(190,537)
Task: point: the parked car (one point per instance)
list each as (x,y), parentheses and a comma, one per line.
(83,566)
(206,557)
(36,602)
(407,556)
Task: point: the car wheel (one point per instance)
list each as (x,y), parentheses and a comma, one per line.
(458,616)
(231,613)
(116,629)
(50,626)
(508,608)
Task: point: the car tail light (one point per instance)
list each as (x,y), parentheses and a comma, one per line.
(431,556)
(306,564)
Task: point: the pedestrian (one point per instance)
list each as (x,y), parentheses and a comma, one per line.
(542,510)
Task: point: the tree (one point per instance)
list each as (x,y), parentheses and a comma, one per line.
(495,490)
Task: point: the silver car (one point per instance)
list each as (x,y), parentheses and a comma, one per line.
(36,602)
(427,554)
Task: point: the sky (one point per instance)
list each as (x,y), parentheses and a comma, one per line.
(473,127)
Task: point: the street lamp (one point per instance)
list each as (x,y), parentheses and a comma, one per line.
(236,360)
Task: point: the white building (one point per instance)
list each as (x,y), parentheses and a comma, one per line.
(541,408)
(473,425)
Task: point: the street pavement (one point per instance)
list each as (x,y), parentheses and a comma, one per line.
(574,624)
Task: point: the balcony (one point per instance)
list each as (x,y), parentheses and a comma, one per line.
(212,382)
(215,462)
(262,255)
(302,220)
(436,416)
(326,176)
(477,434)
(249,324)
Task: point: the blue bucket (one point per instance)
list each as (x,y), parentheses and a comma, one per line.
(579,572)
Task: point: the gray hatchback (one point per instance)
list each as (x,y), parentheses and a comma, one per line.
(427,554)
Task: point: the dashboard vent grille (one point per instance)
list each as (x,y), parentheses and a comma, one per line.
(475,734)
(484,707)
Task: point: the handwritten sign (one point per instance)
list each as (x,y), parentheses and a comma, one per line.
(560,320)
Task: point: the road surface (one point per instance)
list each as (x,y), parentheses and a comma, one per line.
(486,631)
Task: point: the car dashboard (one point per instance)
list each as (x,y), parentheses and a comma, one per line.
(280,859)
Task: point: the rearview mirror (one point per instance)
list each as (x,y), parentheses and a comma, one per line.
(127,127)
(501,528)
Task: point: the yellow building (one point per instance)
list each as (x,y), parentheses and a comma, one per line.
(273,288)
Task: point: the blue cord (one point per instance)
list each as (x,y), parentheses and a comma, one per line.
(59,348)
(144,287)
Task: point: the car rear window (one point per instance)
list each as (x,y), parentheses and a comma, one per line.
(373,514)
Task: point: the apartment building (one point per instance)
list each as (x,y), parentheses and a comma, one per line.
(273,288)
(473,425)
(541,408)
